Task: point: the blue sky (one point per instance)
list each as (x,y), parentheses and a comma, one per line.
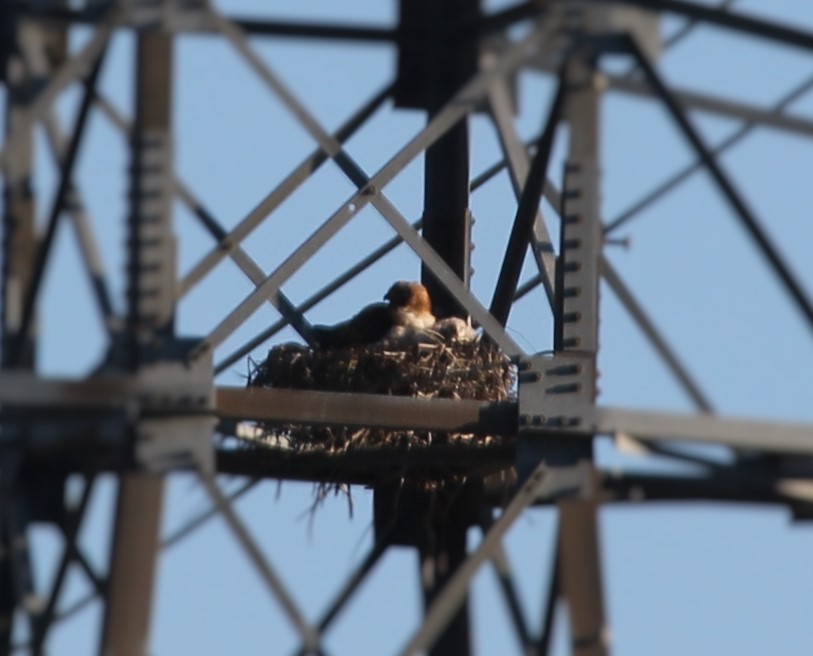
(680,578)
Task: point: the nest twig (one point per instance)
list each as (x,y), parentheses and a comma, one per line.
(455,370)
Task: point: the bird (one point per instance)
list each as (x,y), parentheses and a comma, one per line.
(444,331)
(455,329)
(408,307)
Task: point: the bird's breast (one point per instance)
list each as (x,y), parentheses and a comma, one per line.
(410,319)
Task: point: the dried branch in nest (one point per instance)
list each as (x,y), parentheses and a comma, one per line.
(455,370)
(474,370)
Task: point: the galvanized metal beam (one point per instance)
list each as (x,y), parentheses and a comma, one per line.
(510,592)
(655,338)
(148,330)
(673,181)
(463,102)
(66,175)
(376,411)
(20,241)
(527,215)
(132,565)
(308,634)
(45,619)
(551,604)
(747,217)
(705,102)
(74,68)
(369,188)
(21,392)
(275,197)
(44,49)
(540,483)
(576,331)
(91,257)
(518,162)
(782,34)
(430,72)
(314,299)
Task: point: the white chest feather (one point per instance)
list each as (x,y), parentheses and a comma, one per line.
(417,320)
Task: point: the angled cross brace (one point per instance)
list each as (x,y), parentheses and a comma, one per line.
(552,595)
(71,531)
(74,68)
(275,197)
(705,102)
(308,634)
(542,481)
(34,51)
(771,117)
(91,258)
(502,570)
(659,343)
(64,187)
(747,217)
(739,22)
(528,220)
(673,181)
(467,98)
(344,595)
(641,318)
(228,242)
(316,298)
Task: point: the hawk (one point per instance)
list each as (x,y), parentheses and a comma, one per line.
(408,308)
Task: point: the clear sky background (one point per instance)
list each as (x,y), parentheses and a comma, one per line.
(680,578)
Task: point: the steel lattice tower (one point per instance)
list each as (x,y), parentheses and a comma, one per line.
(150,407)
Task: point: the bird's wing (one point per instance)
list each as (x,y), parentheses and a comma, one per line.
(368,326)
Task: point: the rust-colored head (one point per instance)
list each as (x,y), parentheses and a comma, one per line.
(412,295)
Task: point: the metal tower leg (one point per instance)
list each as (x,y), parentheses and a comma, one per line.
(447,227)
(19,210)
(151,292)
(19,247)
(577,332)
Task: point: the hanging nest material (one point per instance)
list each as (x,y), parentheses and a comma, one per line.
(453,370)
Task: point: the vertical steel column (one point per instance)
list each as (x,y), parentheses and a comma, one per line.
(19,211)
(19,248)
(446,216)
(438,52)
(148,336)
(451,60)
(577,333)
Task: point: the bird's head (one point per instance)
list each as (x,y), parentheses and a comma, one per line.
(409,294)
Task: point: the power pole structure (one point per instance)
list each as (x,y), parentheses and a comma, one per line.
(151,406)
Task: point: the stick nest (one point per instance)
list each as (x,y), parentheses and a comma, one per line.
(454,370)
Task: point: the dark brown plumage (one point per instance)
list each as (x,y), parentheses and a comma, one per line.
(408,306)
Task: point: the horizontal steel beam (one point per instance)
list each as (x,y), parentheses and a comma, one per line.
(715,105)
(781,33)
(704,102)
(779,437)
(286,406)
(366,466)
(738,486)
(463,416)
(20,391)
(27,391)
